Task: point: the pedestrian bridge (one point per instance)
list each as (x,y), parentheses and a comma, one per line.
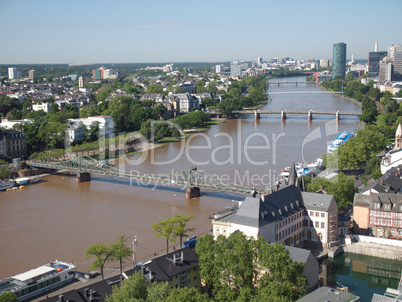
(193,179)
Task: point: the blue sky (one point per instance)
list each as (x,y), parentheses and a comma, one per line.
(130,31)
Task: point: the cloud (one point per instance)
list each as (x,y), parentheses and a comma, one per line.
(160,25)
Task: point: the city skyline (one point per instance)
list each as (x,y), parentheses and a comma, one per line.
(47,32)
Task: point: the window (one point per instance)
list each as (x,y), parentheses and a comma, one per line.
(311,213)
(317,214)
(317,224)
(322,215)
(323,225)
(311,224)
(183,279)
(320,236)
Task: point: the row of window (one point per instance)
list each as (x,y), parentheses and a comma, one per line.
(288,220)
(38,286)
(385,221)
(317,214)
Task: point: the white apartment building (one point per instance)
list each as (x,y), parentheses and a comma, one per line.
(106,125)
(13,73)
(44,106)
(75,132)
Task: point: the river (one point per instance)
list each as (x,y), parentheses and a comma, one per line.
(364,275)
(59,219)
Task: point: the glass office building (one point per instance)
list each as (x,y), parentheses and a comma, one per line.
(339,60)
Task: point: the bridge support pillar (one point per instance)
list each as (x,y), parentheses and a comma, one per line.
(310,116)
(193,192)
(83,177)
(337,116)
(283,115)
(296,84)
(256,115)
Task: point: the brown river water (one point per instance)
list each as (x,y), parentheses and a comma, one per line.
(59,219)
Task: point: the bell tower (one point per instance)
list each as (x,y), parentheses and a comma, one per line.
(398,138)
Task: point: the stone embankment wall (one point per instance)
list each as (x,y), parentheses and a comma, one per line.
(375,247)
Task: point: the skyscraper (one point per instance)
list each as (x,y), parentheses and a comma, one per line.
(374,59)
(339,60)
(13,73)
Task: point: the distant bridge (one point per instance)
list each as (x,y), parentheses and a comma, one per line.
(193,179)
(284,113)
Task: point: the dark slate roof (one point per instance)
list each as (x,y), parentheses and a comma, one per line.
(164,268)
(298,254)
(316,201)
(100,290)
(257,212)
(161,269)
(390,182)
(386,202)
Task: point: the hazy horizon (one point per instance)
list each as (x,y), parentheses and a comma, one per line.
(53,32)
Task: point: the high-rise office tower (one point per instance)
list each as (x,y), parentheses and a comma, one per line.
(235,69)
(386,69)
(259,61)
(339,60)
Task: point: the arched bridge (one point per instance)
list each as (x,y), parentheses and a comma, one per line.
(193,179)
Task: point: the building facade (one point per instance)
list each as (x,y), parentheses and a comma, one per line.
(106,126)
(286,216)
(235,69)
(15,143)
(378,214)
(339,60)
(32,74)
(374,59)
(13,73)
(386,69)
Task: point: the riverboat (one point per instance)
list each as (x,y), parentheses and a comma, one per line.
(39,281)
(339,141)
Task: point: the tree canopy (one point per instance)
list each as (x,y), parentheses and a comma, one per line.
(239,268)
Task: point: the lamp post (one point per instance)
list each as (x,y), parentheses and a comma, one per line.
(135,243)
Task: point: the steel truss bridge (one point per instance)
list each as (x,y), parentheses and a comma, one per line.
(189,178)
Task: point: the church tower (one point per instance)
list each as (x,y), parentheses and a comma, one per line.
(398,138)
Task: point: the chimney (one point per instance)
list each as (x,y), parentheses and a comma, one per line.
(61,298)
(150,275)
(182,256)
(174,258)
(143,270)
(86,292)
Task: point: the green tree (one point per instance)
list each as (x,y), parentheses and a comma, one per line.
(180,229)
(227,106)
(120,251)
(165,229)
(158,292)
(102,253)
(132,289)
(341,186)
(186,294)
(8,296)
(239,268)
(155,88)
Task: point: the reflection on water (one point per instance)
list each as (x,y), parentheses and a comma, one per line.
(364,275)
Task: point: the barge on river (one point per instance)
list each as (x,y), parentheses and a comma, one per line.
(39,281)
(340,140)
